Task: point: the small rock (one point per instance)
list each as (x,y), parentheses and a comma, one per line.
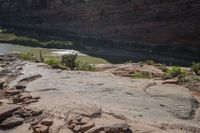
(29,79)
(31,101)
(12,122)
(12,91)
(71,126)
(77,128)
(2,82)
(2,131)
(34,123)
(64,130)
(117,128)
(20,86)
(7,111)
(36,98)
(40,129)
(87,126)
(25,96)
(16,99)
(47,122)
(78,118)
(74,121)
(171,81)
(84,120)
(36,112)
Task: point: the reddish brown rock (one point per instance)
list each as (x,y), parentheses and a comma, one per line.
(47,122)
(84,120)
(20,86)
(87,126)
(7,111)
(77,128)
(11,122)
(2,82)
(12,91)
(40,129)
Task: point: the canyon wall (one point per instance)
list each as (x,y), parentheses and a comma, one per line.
(161,22)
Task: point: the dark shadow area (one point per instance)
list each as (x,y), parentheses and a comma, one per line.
(113,52)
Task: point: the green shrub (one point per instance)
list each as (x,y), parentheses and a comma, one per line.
(84,66)
(162,67)
(52,61)
(69,60)
(150,62)
(24,41)
(27,56)
(167,76)
(183,78)
(142,74)
(177,71)
(195,78)
(196,67)
(128,62)
(180,73)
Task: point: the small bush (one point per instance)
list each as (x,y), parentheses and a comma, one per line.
(177,71)
(180,73)
(142,74)
(162,67)
(196,67)
(128,62)
(84,66)
(27,56)
(183,78)
(52,61)
(150,62)
(25,41)
(167,76)
(69,60)
(195,78)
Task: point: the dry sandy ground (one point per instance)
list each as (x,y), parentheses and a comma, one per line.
(147,105)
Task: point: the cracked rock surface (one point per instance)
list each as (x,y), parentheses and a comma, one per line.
(125,100)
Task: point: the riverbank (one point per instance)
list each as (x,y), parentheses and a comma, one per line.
(107,99)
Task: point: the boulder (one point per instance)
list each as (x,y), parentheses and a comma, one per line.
(7,111)
(11,122)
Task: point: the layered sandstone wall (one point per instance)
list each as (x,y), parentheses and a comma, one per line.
(136,21)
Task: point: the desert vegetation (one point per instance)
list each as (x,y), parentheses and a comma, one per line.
(7,37)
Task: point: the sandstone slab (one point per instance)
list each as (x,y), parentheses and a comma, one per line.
(7,111)
(11,122)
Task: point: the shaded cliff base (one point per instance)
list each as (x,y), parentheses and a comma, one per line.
(48,38)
